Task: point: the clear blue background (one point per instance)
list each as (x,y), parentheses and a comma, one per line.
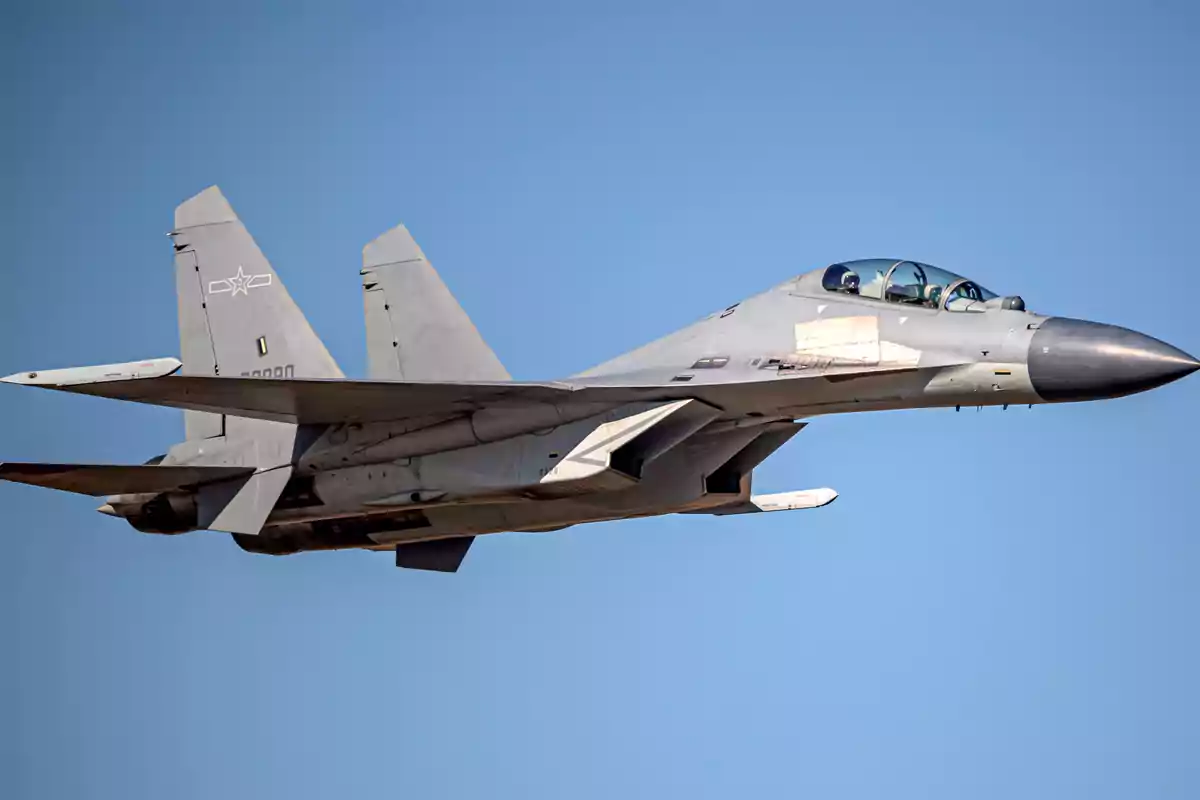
(1001,604)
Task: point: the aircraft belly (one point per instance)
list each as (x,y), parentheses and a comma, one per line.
(671,484)
(604,454)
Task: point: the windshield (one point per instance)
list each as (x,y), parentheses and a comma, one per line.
(906,282)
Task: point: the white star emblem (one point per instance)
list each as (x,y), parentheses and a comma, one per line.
(240,283)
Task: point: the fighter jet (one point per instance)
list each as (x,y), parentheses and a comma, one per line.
(440,445)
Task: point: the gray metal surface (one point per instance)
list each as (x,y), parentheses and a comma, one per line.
(105,479)
(1072,359)
(236,318)
(416,330)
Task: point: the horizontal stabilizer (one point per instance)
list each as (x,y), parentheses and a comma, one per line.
(438,555)
(108,479)
(783,501)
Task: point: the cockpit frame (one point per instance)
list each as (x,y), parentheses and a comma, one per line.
(949,291)
(938,299)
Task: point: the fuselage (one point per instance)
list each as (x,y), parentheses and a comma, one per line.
(798,350)
(675,426)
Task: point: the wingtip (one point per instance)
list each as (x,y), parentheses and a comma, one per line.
(20,378)
(204,208)
(150,368)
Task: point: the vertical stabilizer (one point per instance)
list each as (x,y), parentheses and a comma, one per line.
(416,330)
(236,317)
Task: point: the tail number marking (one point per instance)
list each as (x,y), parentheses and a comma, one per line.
(287,372)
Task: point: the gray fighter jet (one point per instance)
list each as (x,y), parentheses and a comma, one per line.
(440,445)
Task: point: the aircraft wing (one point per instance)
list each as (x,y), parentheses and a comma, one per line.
(311,401)
(315,401)
(335,401)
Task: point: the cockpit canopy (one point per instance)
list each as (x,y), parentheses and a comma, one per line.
(907,282)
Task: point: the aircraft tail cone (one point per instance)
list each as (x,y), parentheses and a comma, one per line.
(108,509)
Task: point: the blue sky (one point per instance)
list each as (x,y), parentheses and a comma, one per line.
(1000,604)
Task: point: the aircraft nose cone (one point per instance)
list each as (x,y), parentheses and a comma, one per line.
(1072,359)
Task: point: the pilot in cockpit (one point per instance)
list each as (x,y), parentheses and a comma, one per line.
(908,283)
(932,295)
(840,278)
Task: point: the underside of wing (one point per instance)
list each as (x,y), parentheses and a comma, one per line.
(109,479)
